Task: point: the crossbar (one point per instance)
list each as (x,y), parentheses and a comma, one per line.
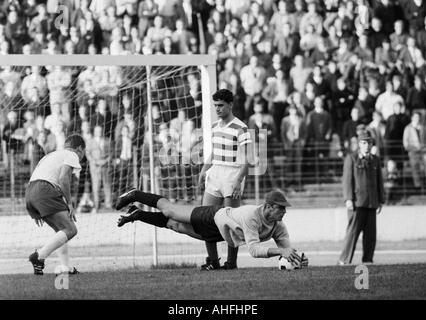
(107,60)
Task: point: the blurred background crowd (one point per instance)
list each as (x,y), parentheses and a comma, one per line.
(312,73)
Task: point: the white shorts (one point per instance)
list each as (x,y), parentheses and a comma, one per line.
(219,180)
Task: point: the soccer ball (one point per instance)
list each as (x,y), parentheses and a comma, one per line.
(61,269)
(284,264)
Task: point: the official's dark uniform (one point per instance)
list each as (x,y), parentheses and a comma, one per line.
(363,184)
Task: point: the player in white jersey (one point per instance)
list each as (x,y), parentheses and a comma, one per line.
(248,224)
(226,169)
(48,199)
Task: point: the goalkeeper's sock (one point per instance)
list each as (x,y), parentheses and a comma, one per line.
(232,256)
(58,240)
(150,199)
(212,250)
(157,219)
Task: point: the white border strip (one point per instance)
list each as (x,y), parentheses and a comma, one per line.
(107,60)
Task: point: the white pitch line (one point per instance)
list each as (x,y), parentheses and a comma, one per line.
(245,254)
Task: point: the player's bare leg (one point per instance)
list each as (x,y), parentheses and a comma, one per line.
(65,230)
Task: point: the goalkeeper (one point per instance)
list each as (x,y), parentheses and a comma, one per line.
(248,224)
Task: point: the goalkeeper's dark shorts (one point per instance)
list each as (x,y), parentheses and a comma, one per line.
(44,199)
(202,220)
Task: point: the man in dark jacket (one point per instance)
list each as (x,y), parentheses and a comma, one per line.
(363,194)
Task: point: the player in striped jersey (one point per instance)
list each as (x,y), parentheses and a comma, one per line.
(225,171)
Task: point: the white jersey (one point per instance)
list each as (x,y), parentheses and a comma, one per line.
(49,167)
(247,225)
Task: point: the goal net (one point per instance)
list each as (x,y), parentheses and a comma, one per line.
(143,119)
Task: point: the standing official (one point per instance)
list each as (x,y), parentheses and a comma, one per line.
(363,193)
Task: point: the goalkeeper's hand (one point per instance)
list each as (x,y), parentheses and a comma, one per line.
(292,257)
(304,261)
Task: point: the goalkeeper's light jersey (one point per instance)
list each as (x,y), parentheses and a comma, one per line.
(247,225)
(49,167)
(226,140)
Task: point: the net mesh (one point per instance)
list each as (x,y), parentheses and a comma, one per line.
(107,105)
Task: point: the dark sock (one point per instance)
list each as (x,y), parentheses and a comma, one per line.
(150,199)
(157,219)
(212,250)
(232,255)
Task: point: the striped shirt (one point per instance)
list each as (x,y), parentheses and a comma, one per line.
(226,141)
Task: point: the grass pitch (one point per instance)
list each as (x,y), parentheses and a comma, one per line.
(385,282)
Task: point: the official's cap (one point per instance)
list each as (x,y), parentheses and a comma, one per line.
(277,197)
(365,135)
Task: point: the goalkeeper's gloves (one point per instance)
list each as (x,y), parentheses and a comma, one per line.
(298,261)
(305,261)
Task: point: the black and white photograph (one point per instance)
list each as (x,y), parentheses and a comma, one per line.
(213,155)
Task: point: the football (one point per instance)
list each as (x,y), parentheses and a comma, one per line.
(284,264)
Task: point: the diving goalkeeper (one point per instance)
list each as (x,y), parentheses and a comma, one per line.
(248,224)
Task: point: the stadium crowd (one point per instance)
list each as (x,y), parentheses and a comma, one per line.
(311,72)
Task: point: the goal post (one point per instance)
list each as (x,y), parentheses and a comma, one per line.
(159,87)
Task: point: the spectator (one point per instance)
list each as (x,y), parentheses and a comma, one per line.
(309,40)
(265,134)
(319,134)
(394,133)
(99,6)
(414,140)
(342,102)
(157,33)
(385,55)
(421,38)
(350,128)
(411,55)
(39,23)
(293,137)
(103,117)
(386,101)
(98,154)
(299,73)
(147,11)
(416,97)
(15,31)
(321,53)
(311,18)
(252,79)
(181,37)
(377,129)
(365,105)
(127,121)
(59,85)
(321,87)
(10,99)
(276,94)
(13,133)
(34,80)
(387,13)
(398,39)
(376,35)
